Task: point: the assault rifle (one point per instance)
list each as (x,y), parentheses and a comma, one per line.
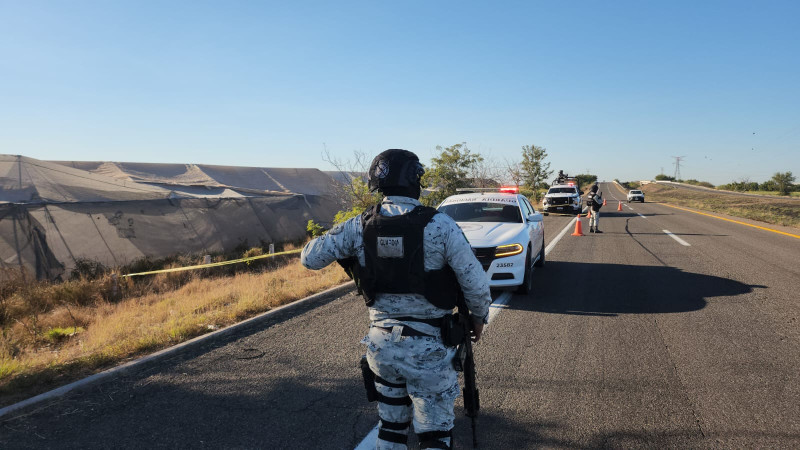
(465,362)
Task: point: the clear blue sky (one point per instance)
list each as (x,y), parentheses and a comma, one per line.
(614,87)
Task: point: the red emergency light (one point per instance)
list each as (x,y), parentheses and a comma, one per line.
(510,189)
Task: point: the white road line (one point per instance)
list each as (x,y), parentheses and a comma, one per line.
(369,442)
(498,305)
(680,241)
(640,215)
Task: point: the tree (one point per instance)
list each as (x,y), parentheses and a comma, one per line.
(585,179)
(514,172)
(350,187)
(534,170)
(662,177)
(448,172)
(783,180)
(484,174)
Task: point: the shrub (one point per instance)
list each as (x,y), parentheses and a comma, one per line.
(255,251)
(629,184)
(314,229)
(87,268)
(344,216)
(78,292)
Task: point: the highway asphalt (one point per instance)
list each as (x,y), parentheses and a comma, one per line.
(631,339)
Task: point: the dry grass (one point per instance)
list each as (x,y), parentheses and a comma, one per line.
(773,193)
(62,339)
(779,211)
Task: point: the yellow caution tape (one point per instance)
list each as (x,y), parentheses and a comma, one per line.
(217,264)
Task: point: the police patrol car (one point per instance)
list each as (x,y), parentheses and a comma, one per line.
(505,232)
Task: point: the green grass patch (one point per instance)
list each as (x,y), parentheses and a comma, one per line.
(56,335)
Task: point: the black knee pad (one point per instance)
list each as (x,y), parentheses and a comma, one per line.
(433,439)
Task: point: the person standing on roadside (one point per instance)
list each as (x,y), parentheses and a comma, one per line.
(594,201)
(409,262)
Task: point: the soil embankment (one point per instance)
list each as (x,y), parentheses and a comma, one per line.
(783,211)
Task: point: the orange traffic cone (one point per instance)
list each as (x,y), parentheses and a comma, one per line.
(578,228)
(619,208)
(604,202)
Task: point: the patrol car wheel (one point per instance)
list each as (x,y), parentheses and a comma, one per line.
(527,282)
(540,261)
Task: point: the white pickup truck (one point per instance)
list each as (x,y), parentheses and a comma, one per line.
(635,195)
(562,198)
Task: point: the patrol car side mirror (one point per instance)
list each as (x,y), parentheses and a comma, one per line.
(535,217)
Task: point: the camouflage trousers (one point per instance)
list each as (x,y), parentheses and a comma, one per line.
(594,219)
(416,368)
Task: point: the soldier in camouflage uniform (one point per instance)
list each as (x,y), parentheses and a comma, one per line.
(412,366)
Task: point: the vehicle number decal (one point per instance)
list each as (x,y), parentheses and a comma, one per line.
(505,264)
(390,246)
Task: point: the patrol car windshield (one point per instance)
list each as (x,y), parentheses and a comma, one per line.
(636,192)
(561,190)
(483,212)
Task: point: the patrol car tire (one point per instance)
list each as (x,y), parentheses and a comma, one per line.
(540,261)
(527,281)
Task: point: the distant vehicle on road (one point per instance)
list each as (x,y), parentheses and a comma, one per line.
(635,195)
(505,232)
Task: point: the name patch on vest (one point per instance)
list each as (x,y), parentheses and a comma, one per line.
(390,247)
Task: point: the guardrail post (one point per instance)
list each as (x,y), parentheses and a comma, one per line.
(207,259)
(114,286)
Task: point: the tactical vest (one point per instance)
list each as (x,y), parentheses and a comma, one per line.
(395,259)
(590,199)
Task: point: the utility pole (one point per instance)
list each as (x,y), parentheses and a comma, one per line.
(678,160)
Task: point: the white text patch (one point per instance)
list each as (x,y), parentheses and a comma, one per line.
(390,246)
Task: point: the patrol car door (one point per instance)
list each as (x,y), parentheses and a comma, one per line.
(535,223)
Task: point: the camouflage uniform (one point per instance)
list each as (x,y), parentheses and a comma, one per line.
(415,367)
(594,219)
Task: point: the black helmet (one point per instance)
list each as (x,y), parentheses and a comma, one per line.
(396,172)
(594,187)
